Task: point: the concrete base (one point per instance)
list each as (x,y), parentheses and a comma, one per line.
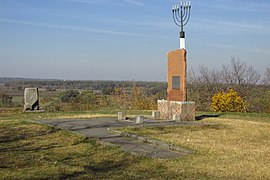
(171,109)
(155,114)
(177,118)
(139,119)
(122,116)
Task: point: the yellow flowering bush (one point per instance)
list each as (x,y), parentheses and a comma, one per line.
(228,102)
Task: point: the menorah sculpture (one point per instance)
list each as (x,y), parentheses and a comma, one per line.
(176,106)
(181,16)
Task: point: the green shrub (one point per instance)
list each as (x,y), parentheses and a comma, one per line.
(6,100)
(69,95)
(259,101)
(52,106)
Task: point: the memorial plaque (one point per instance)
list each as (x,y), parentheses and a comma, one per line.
(176,82)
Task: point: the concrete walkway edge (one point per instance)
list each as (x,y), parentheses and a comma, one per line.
(161,144)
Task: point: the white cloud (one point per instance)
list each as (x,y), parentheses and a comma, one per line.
(134,2)
(74,28)
(229,26)
(87,1)
(258,50)
(235,5)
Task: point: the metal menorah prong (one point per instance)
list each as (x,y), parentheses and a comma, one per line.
(181,16)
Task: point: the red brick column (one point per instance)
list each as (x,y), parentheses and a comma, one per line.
(177,68)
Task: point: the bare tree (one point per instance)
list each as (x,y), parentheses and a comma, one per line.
(226,75)
(238,70)
(266,79)
(191,76)
(216,76)
(205,82)
(252,76)
(204,75)
(209,76)
(239,73)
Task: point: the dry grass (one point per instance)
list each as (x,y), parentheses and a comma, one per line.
(230,149)
(235,149)
(35,151)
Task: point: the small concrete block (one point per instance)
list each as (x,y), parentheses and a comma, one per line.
(122,116)
(177,117)
(139,119)
(155,114)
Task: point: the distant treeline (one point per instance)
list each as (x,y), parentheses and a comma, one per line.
(106,87)
(251,85)
(203,84)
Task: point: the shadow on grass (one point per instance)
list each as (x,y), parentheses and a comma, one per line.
(108,165)
(199,118)
(102,168)
(12,136)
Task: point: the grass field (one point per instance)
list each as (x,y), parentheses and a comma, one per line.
(237,146)
(18,100)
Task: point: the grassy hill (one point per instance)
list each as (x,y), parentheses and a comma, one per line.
(236,146)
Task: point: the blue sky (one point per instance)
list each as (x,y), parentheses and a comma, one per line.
(126,39)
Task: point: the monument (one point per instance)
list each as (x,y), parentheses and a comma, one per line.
(31,99)
(176,104)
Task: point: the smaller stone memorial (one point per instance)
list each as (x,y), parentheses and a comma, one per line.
(31,99)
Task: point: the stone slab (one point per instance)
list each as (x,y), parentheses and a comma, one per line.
(97,128)
(31,99)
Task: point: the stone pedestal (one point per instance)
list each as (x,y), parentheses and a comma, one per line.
(184,111)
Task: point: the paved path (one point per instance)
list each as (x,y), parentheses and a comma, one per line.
(97,128)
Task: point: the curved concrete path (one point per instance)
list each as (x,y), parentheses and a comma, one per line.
(97,128)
